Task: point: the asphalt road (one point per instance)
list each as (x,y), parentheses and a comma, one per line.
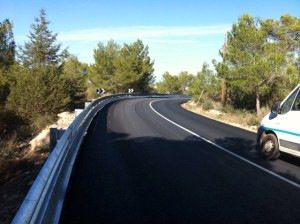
(154,162)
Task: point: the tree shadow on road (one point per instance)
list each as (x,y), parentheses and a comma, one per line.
(248,149)
(122,179)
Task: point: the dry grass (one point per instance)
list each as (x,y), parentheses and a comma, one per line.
(19,165)
(18,170)
(239,118)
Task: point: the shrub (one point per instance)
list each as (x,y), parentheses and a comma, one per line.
(228,109)
(11,124)
(40,122)
(207,105)
(253,121)
(7,148)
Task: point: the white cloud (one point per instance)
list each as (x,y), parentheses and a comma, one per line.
(152,33)
(173,49)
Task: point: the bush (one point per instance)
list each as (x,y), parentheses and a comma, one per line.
(39,92)
(253,121)
(228,109)
(40,122)
(207,105)
(91,93)
(7,148)
(12,125)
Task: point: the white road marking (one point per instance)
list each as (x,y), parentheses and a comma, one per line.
(226,150)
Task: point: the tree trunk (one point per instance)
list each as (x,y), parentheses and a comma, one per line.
(223,91)
(258,112)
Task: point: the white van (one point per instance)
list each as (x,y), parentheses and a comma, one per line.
(280,129)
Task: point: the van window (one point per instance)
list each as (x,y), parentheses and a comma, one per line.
(287,105)
(296,105)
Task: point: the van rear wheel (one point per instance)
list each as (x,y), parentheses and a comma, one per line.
(269,147)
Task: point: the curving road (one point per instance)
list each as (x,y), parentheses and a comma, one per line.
(150,161)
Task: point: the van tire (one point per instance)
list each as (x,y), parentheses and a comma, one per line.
(269,147)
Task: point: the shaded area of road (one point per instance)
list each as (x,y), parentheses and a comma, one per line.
(135,167)
(239,141)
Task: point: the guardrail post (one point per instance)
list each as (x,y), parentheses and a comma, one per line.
(77,112)
(55,135)
(86,104)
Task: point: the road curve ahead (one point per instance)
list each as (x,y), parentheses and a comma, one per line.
(150,161)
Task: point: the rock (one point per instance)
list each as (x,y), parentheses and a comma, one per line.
(215,112)
(42,139)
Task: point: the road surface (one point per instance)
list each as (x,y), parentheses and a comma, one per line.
(150,161)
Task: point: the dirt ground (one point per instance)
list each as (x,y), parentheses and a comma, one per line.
(14,188)
(21,170)
(227,118)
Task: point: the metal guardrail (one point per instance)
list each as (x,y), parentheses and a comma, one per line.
(44,201)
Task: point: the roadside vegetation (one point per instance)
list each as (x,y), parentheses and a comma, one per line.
(39,79)
(260,65)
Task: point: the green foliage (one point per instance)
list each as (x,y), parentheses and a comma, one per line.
(4,85)
(7,44)
(7,149)
(41,89)
(247,56)
(75,75)
(285,31)
(228,108)
(39,92)
(207,104)
(206,82)
(117,69)
(41,49)
(12,127)
(169,85)
(134,68)
(12,130)
(185,80)
(260,60)
(222,68)
(7,59)
(40,122)
(11,124)
(102,72)
(253,121)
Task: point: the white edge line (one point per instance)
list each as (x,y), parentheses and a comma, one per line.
(226,150)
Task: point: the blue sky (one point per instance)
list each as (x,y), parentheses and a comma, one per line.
(181,35)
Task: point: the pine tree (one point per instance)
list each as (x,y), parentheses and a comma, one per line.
(7,44)
(256,63)
(205,83)
(286,30)
(41,89)
(35,96)
(75,74)
(41,49)
(170,84)
(134,68)
(7,59)
(117,69)
(285,33)
(102,73)
(185,81)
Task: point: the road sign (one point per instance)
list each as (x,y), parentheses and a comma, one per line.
(130,90)
(100,91)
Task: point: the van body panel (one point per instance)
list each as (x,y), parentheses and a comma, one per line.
(285,125)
